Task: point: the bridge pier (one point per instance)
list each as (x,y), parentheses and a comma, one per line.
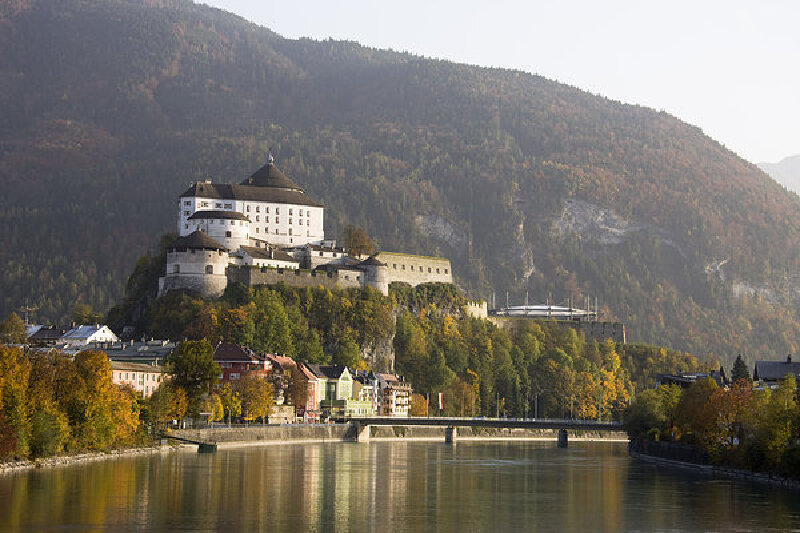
(360,432)
(562,438)
(450,434)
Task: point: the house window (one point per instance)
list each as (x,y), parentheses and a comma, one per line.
(228,206)
(188,202)
(234,375)
(203,204)
(176,269)
(218,205)
(209,269)
(187,213)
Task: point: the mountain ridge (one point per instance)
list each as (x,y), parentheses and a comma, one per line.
(123,103)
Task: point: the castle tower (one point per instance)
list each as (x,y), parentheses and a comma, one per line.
(376,274)
(229,228)
(197,263)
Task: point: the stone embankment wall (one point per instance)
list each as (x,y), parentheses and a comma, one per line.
(253,434)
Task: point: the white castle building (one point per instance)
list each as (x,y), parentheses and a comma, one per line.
(266,230)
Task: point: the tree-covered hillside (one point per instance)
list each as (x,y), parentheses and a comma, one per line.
(109,107)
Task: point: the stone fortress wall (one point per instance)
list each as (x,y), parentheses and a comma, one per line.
(415,269)
(255,276)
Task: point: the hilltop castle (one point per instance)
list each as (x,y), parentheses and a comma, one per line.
(267,230)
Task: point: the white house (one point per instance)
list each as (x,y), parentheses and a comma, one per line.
(273,208)
(87,334)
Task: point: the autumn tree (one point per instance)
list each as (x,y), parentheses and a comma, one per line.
(356,241)
(231,401)
(257,397)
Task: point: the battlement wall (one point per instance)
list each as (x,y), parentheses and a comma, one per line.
(255,276)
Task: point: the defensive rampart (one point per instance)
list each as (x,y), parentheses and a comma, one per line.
(255,276)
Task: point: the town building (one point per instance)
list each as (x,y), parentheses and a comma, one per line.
(768,374)
(685,379)
(394,395)
(87,335)
(144,379)
(236,361)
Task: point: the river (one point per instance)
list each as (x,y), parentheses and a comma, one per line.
(388,487)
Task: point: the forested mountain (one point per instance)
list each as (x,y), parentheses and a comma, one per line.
(108,109)
(786,171)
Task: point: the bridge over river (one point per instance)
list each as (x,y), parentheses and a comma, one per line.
(361,425)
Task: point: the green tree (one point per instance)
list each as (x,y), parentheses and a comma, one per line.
(13,331)
(194,370)
(740,370)
(348,354)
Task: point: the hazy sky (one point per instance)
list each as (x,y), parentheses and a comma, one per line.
(729,67)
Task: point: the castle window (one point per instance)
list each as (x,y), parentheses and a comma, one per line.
(203,204)
(394,266)
(301,221)
(321,254)
(257,230)
(445,271)
(276,231)
(301,212)
(334,254)
(257,218)
(233,222)
(277,210)
(403,267)
(248,208)
(290,231)
(412,268)
(209,269)
(290,221)
(290,211)
(420,268)
(429,270)
(358,278)
(277,220)
(437,270)
(227,233)
(176,269)
(257,210)
(228,206)
(186,226)
(187,213)
(266,209)
(218,204)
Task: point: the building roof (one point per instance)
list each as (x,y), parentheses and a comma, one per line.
(196,240)
(268,253)
(135,367)
(327,371)
(373,261)
(84,331)
(775,370)
(281,360)
(47,333)
(234,353)
(270,176)
(226,191)
(218,214)
(321,248)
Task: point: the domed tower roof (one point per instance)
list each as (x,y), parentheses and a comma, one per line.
(197,240)
(270,176)
(373,261)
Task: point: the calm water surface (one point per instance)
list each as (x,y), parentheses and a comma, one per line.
(389,486)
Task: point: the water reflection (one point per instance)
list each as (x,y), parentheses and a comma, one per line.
(388,486)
